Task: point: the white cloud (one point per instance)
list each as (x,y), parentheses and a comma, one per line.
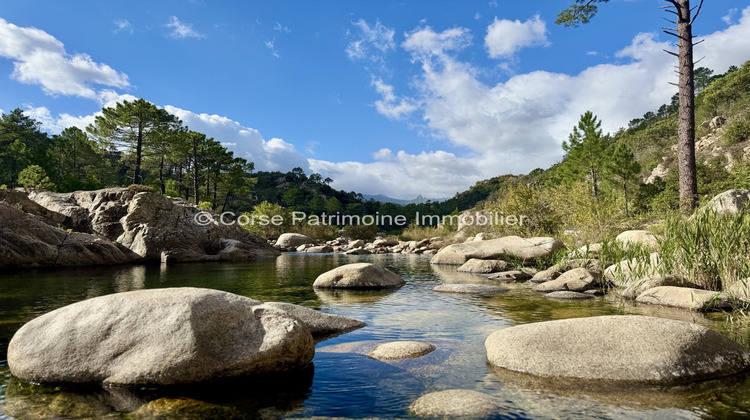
(436,174)
(39,58)
(392,106)
(271,47)
(182,30)
(519,124)
(123,25)
(729,17)
(373,41)
(272,155)
(506,37)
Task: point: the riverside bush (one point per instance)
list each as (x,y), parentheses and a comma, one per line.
(709,250)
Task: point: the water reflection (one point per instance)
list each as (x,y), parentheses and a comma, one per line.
(346,382)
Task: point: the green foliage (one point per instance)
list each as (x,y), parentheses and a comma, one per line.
(364,232)
(137,125)
(34,176)
(206,205)
(537,207)
(709,250)
(21,145)
(736,132)
(319,232)
(590,219)
(415,232)
(624,169)
(581,11)
(268,220)
(585,157)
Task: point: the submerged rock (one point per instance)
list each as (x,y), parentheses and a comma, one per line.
(470,289)
(456,403)
(509,276)
(685,298)
(359,276)
(628,348)
(566,294)
(401,350)
(509,247)
(159,337)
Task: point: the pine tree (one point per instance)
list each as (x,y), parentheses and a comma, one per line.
(624,169)
(585,156)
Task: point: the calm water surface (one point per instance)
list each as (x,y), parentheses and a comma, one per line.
(343,381)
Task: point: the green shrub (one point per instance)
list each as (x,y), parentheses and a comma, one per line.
(736,132)
(540,217)
(206,205)
(34,176)
(318,232)
(708,250)
(364,232)
(415,232)
(268,220)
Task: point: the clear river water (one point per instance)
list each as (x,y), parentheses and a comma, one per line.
(343,381)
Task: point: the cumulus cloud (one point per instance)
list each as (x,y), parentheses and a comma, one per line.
(519,124)
(371,42)
(506,37)
(180,30)
(39,58)
(402,175)
(272,155)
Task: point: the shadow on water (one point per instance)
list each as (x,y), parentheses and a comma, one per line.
(344,381)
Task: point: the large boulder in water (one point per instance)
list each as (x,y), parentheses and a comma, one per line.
(150,224)
(321,325)
(27,240)
(628,348)
(359,276)
(507,248)
(159,337)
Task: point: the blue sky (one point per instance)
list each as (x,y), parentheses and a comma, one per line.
(386,97)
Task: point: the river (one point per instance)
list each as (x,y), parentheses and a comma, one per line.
(343,382)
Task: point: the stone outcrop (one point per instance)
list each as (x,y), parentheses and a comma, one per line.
(27,240)
(627,348)
(526,250)
(159,337)
(150,224)
(359,276)
(728,202)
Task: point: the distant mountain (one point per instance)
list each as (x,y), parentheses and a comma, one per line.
(385,199)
